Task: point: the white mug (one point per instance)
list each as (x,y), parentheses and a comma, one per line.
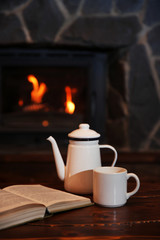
(110,186)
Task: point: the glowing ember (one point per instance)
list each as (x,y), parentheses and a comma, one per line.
(69,105)
(45,123)
(20,102)
(34,107)
(38,90)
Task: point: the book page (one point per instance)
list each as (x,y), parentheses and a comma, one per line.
(9,201)
(44,195)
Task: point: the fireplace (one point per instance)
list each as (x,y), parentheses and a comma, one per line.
(50,92)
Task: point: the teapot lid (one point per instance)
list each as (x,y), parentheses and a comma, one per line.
(84,133)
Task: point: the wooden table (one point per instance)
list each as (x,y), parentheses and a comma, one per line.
(138,219)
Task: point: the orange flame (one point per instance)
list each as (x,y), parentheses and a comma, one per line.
(38,90)
(70,106)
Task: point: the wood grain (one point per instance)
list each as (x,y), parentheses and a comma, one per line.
(138,219)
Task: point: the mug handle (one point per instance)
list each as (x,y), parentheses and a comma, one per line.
(129,194)
(114,150)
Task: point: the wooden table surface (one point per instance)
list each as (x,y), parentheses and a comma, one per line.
(138,219)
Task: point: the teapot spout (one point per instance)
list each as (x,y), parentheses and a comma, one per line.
(58,159)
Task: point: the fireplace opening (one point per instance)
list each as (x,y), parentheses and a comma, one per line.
(50,92)
(43,97)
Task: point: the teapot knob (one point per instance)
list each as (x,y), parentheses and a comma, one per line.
(84,126)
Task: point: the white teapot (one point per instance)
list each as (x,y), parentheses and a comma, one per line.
(82,157)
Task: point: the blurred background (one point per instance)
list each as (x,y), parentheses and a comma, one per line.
(101,58)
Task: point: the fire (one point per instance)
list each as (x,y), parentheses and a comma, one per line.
(38,90)
(69,105)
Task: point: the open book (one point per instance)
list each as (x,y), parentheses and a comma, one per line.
(23,203)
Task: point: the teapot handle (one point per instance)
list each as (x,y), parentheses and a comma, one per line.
(114,150)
